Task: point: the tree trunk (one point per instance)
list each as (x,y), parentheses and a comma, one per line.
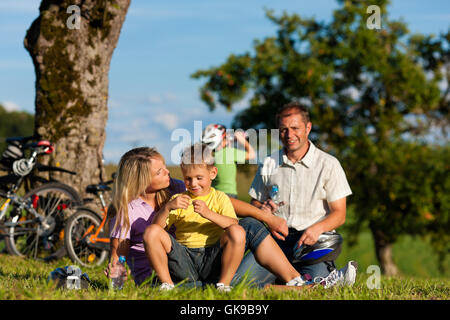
(383,250)
(72,68)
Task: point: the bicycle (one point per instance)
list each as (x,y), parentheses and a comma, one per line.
(20,168)
(35,222)
(86,242)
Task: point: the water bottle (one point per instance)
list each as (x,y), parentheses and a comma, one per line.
(275,196)
(119,274)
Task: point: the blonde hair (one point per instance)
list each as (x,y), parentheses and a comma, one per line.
(133,178)
(197,155)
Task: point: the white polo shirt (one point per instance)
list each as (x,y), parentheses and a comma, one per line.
(306,186)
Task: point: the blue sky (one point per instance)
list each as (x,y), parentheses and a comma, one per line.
(161,44)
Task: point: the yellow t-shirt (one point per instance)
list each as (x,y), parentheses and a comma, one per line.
(194,231)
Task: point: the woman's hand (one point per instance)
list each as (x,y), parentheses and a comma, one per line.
(240,137)
(111,268)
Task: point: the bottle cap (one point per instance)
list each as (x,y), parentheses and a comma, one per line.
(275,188)
(122,259)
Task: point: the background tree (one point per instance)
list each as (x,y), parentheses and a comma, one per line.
(14,123)
(370,94)
(72,68)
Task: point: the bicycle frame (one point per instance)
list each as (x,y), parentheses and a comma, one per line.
(95,237)
(15,199)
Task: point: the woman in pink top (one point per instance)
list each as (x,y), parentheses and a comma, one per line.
(142,187)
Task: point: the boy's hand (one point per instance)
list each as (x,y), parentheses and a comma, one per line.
(180,202)
(201,208)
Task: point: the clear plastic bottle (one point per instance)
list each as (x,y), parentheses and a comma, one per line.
(119,274)
(275,196)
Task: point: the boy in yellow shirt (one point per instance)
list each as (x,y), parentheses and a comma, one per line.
(209,243)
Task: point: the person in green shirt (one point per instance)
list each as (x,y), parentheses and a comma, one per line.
(226,156)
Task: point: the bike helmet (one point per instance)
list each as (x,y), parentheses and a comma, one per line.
(213,135)
(12,153)
(327,248)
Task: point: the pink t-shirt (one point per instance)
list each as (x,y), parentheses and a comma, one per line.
(141,215)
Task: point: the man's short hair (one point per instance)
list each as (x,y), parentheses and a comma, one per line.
(197,154)
(296,107)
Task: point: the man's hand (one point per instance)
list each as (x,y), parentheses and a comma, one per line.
(277,225)
(310,236)
(201,208)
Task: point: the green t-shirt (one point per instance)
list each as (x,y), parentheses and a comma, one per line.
(225,161)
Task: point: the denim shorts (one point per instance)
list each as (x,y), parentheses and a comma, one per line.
(255,232)
(195,264)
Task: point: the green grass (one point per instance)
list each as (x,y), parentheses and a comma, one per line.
(27,279)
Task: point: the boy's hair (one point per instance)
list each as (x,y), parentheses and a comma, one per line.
(296,107)
(197,155)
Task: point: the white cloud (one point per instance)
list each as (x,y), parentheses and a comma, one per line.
(114,103)
(164,98)
(154,99)
(141,137)
(11,106)
(170,97)
(168,120)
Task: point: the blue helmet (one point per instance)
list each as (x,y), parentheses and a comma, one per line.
(327,248)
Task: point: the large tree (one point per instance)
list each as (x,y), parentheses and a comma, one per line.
(371,93)
(71,59)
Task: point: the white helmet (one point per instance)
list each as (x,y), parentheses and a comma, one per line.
(213,135)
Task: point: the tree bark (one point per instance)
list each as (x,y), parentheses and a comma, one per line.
(72,68)
(383,250)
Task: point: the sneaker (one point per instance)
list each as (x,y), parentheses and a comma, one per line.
(166,286)
(342,277)
(349,273)
(296,282)
(221,287)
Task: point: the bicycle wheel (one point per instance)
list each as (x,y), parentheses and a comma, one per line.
(29,237)
(77,231)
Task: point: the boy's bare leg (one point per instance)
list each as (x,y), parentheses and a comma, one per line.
(233,246)
(157,245)
(270,256)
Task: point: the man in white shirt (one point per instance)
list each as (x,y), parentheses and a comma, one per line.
(313,186)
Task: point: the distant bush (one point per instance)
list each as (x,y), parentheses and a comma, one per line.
(14,123)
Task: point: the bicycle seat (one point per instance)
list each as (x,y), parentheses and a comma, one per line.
(95,188)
